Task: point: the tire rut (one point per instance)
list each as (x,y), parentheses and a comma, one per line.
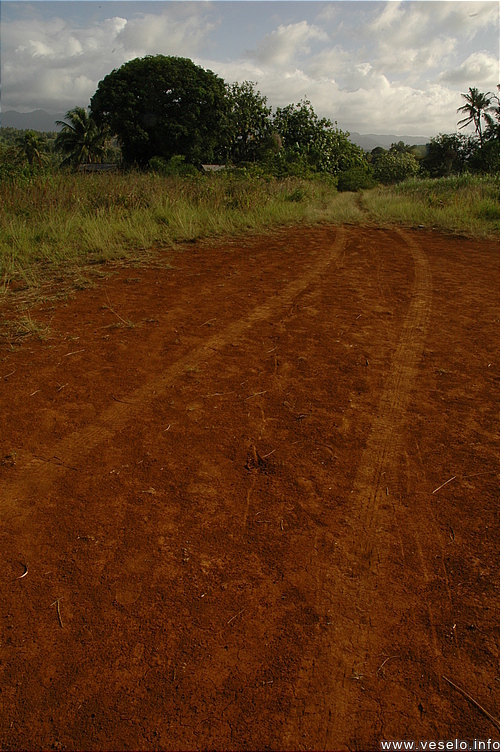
(338,670)
(63,456)
(384,442)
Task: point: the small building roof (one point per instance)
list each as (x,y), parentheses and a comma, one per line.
(213,167)
(97,167)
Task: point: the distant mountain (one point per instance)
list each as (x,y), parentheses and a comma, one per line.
(38,120)
(369,141)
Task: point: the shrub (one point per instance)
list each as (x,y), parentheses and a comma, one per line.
(356,179)
(393,168)
(176,166)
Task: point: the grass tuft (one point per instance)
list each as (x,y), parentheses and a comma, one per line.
(24,326)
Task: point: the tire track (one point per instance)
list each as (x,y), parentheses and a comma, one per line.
(339,670)
(83,441)
(384,443)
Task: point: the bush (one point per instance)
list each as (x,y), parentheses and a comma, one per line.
(356,179)
(488,209)
(393,168)
(176,166)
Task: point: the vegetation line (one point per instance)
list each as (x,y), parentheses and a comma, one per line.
(53,223)
(56,224)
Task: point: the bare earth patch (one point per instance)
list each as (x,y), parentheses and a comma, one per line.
(251,502)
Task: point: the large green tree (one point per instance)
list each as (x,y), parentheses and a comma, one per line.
(492,116)
(490,152)
(80,139)
(160,106)
(449,154)
(314,141)
(249,122)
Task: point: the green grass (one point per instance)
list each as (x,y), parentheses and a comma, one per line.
(54,225)
(59,221)
(467,204)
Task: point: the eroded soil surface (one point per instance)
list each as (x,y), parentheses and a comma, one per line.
(252,501)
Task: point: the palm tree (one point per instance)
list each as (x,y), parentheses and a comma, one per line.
(31,146)
(476,103)
(492,117)
(80,139)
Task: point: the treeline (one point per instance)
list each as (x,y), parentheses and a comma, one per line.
(168,115)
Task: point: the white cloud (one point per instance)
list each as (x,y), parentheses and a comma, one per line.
(392,16)
(35,48)
(388,108)
(331,62)
(329,12)
(380,74)
(415,59)
(416,37)
(284,43)
(364,68)
(415,23)
(465,19)
(164,34)
(33,40)
(75,58)
(480,69)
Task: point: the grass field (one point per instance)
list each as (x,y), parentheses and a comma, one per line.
(57,223)
(466,204)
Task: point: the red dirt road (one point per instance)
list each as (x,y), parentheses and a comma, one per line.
(255,500)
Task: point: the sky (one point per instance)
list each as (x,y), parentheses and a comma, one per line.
(374,67)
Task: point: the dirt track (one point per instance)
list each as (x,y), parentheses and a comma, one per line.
(257,498)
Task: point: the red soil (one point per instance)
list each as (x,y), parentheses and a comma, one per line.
(255,499)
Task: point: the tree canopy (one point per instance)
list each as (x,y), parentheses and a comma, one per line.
(160,106)
(172,115)
(447,154)
(395,166)
(314,142)
(249,122)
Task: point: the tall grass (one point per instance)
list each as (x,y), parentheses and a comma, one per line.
(467,204)
(55,220)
